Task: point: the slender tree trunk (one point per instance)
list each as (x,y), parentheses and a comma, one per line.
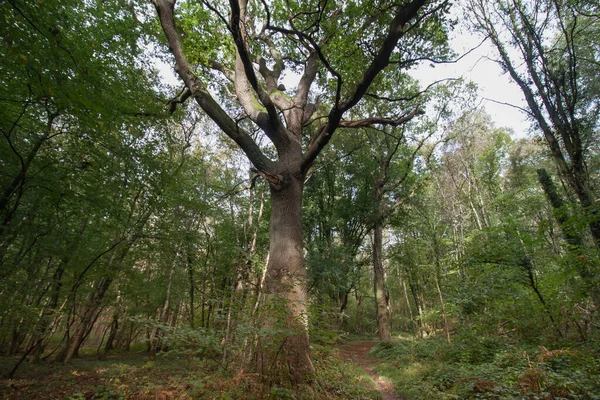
(191,281)
(260,282)
(408,306)
(251,251)
(285,286)
(443,304)
(476,214)
(527,264)
(359,300)
(114,328)
(418,307)
(92,308)
(384,328)
(155,337)
(90,315)
(203,298)
(438,272)
(6,212)
(45,320)
(343,301)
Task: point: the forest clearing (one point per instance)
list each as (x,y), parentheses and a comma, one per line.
(259,199)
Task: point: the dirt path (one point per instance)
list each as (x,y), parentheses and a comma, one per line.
(358,353)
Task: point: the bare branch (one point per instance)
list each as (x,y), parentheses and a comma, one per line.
(179,99)
(414,96)
(526,111)
(382,60)
(381,120)
(317,50)
(436,61)
(217,66)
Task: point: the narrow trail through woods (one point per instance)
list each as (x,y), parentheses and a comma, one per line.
(358,352)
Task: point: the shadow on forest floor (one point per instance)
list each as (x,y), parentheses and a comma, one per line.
(358,352)
(175,376)
(121,375)
(360,369)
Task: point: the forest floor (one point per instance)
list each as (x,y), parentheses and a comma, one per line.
(120,376)
(358,352)
(345,372)
(359,369)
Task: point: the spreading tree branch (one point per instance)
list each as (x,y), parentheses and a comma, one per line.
(395,32)
(362,123)
(164,9)
(269,122)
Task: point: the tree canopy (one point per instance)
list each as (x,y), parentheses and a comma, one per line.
(292,185)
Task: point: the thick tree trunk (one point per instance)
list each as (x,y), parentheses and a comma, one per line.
(286,357)
(571,234)
(590,208)
(384,328)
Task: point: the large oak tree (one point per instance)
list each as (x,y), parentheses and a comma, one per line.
(233,58)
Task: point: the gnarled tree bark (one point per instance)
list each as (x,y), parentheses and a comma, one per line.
(282,119)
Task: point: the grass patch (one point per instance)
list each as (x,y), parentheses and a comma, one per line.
(341,380)
(489,369)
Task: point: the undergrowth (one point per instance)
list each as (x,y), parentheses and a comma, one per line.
(173,375)
(477,368)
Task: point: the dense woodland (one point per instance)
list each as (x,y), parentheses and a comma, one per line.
(295,188)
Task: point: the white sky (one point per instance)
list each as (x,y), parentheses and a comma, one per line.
(478,67)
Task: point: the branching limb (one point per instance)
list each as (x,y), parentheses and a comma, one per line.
(522,109)
(247,85)
(306,81)
(436,61)
(164,10)
(382,60)
(179,99)
(217,66)
(414,96)
(314,47)
(362,123)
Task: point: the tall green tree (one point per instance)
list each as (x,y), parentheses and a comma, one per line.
(342,53)
(549,49)
(78,178)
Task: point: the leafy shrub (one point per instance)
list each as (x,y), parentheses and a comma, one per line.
(194,342)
